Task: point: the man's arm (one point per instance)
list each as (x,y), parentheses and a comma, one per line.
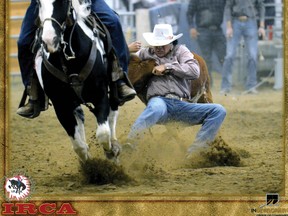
(261,12)
(228,17)
(192,7)
(184,65)
(191,11)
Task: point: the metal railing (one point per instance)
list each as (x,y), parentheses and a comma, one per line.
(127,19)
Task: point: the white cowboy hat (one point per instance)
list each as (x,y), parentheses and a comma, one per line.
(162,35)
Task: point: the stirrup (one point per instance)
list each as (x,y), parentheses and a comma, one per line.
(126,93)
(30,110)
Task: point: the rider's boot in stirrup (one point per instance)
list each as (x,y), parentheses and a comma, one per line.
(37,102)
(125,92)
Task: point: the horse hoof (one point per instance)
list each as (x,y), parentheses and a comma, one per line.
(114,152)
(110,156)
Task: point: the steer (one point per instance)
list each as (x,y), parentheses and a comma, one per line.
(140,72)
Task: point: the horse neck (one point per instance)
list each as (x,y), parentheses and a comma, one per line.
(78,40)
(82,15)
(82,10)
(81,22)
(87,32)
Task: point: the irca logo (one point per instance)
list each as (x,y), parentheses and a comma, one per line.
(17,187)
(33,209)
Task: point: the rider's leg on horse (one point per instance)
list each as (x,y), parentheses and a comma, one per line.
(26,57)
(26,62)
(112,22)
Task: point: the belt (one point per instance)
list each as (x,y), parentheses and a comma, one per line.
(242,18)
(173,96)
(213,27)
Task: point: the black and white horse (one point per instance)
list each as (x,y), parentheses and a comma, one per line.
(73,69)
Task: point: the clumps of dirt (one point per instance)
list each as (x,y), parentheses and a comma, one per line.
(100,171)
(151,171)
(220,154)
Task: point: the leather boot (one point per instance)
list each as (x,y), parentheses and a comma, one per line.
(125,92)
(37,102)
(30,110)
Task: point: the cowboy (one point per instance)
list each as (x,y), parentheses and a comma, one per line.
(168,90)
(205,18)
(241,21)
(37,102)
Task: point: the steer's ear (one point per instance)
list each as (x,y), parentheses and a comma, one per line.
(134,58)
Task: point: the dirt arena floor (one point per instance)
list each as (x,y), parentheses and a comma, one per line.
(253,129)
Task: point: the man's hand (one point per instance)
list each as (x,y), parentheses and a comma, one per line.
(194,33)
(261,32)
(229,29)
(229,32)
(134,46)
(159,70)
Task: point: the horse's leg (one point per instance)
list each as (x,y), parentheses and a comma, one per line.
(115,147)
(106,130)
(103,135)
(72,119)
(101,112)
(113,116)
(79,143)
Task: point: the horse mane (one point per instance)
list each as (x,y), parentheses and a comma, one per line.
(82,8)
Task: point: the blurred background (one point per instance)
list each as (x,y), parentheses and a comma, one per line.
(138,16)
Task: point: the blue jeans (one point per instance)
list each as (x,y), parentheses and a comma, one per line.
(248,30)
(209,41)
(28,30)
(112,22)
(160,110)
(26,37)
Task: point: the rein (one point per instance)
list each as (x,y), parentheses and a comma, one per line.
(75,80)
(70,45)
(63,28)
